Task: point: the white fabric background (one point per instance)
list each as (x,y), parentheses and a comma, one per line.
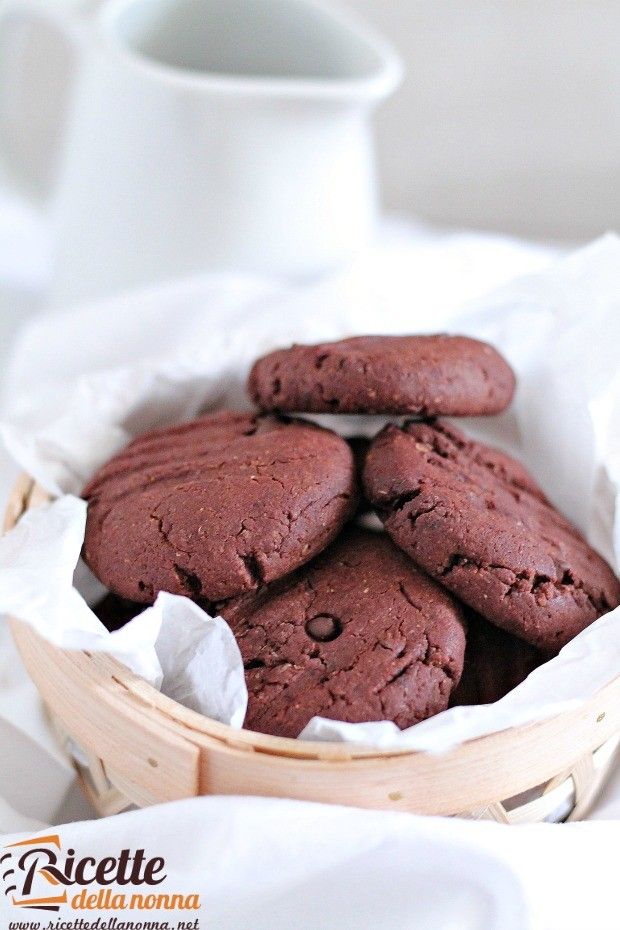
(280,864)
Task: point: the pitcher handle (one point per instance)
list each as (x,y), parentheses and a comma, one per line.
(40,48)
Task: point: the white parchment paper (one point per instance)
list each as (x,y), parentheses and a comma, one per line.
(158,357)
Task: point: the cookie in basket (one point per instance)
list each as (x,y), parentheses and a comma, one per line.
(424,375)
(359,634)
(475,520)
(217,506)
(114,611)
(495,663)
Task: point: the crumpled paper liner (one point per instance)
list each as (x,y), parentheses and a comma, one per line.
(559,328)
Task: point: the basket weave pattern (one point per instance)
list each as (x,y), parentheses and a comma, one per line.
(132,745)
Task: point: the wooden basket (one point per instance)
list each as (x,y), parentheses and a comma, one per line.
(132,745)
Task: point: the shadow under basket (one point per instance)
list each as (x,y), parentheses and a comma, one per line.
(132,745)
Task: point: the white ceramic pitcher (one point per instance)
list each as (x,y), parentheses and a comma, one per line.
(173,136)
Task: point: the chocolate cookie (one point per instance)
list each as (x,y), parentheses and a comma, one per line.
(360,446)
(217,506)
(475,520)
(114,611)
(424,375)
(495,663)
(358,635)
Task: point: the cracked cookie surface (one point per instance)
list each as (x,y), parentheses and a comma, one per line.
(217,506)
(423,375)
(360,634)
(474,519)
